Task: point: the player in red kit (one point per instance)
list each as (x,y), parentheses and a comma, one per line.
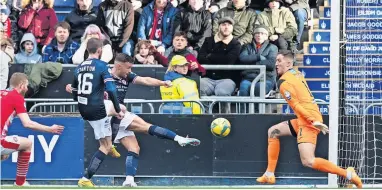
(12,104)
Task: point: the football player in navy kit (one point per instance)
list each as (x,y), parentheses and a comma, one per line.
(123,129)
(91,80)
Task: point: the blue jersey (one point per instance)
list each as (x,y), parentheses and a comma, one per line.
(91,79)
(122,85)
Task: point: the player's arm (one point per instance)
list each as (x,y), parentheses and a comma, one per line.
(110,88)
(148,81)
(28,123)
(289,93)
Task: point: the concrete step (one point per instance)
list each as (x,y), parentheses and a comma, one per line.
(327,3)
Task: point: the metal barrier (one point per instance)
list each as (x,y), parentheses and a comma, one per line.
(271,101)
(127,101)
(260,78)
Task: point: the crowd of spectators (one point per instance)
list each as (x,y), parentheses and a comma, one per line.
(205,32)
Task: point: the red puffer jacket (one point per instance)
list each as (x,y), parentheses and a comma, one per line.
(39,22)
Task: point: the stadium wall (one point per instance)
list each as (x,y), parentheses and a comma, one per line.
(237,158)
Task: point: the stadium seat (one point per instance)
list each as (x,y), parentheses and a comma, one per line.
(64,3)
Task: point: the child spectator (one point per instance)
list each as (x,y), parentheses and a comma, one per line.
(182,87)
(93,31)
(28,50)
(145,53)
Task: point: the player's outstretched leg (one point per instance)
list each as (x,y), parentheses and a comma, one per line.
(132,158)
(134,123)
(95,162)
(308,159)
(276,131)
(114,131)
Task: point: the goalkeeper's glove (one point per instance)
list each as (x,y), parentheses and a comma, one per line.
(323,128)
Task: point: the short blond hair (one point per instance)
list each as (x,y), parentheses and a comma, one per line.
(17,79)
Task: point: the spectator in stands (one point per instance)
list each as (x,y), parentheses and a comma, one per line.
(81,16)
(156,24)
(5,21)
(179,47)
(281,23)
(116,17)
(16,5)
(244,20)
(93,31)
(215,5)
(6,58)
(195,20)
(257,5)
(62,48)
(182,86)
(300,9)
(28,50)
(222,48)
(14,32)
(145,53)
(259,52)
(39,18)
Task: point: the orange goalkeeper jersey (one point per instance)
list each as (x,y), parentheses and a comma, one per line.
(296,92)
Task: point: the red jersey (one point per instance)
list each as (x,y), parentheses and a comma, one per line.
(12,103)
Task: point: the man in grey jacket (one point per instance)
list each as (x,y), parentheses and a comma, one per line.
(28,50)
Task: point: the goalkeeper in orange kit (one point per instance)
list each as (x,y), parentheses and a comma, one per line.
(306,127)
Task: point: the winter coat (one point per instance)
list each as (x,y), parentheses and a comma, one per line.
(146,20)
(266,55)
(40,74)
(79,20)
(117,20)
(281,18)
(244,22)
(216,52)
(197,25)
(52,54)
(22,57)
(40,23)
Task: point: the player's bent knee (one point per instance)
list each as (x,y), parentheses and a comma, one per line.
(135,149)
(273,132)
(25,144)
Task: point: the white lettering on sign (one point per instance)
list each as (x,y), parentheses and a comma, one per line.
(367,1)
(48,149)
(363,73)
(367,85)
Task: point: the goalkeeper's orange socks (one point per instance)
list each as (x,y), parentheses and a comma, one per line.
(273,154)
(328,167)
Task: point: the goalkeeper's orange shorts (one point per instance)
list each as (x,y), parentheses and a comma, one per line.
(305,133)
